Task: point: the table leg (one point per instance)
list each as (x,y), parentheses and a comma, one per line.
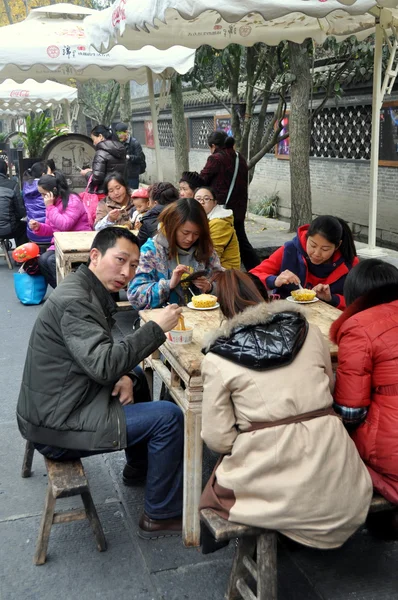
(193,450)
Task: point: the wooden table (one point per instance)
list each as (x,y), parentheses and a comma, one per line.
(71,247)
(184,366)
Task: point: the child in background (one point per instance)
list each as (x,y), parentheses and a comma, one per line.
(140,199)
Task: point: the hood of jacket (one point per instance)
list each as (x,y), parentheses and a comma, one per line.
(300,242)
(265,336)
(382,295)
(219,212)
(113,147)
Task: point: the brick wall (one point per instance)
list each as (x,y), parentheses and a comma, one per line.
(339,187)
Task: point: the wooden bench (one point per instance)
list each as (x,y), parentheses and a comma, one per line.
(255,553)
(65,479)
(5,246)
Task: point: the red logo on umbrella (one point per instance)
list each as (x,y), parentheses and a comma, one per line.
(82,48)
(53,51)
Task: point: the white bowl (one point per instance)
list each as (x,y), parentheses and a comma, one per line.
(181,337)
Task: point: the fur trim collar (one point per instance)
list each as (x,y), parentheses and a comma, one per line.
(253,315)
(382,295)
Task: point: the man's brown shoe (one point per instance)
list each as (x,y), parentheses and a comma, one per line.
(154,528)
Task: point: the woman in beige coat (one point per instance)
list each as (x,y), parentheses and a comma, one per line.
(288,464)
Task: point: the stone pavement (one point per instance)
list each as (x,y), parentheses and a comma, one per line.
(134,569)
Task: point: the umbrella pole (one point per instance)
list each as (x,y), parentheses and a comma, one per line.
(159,169)
(377,101)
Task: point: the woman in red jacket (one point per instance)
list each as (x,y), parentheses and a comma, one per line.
(366,388)
(319,257)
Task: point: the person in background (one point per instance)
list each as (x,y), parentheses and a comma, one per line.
(115,209)
(189,182)
(160,195)
(135,157)
(181,247)
(366,392)
(287,461)
(141,203)
(33,200)
(319,258)
(110,156)
(12,209)
(64,212)
(222,232)
(80,395)
(51,168)
(218,173)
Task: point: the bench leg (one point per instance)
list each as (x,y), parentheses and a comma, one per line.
(45,528)
(245,547)
(4,246)
(266,566)
(95,523)
(28,459)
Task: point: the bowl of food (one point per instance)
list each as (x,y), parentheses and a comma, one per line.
(204,301)
(181,334)
(303,295)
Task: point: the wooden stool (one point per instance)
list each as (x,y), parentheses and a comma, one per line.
(5,245)
(250,539)
(65,479)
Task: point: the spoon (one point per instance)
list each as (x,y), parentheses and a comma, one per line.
(191,292)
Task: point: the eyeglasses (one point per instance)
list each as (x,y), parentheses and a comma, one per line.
(204,200)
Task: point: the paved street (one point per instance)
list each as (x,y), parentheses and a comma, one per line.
(131,568)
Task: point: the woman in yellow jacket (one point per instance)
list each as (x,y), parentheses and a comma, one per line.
(222,232)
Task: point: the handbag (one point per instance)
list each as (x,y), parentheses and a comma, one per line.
(29,289)
(90,202)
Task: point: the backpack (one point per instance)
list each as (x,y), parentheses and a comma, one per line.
(142,163)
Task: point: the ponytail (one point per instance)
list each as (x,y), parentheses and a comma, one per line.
(229,142)
(337,232)
(57,185)
(106,132)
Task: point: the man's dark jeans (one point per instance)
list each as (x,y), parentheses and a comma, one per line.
(133,183)
(155,436)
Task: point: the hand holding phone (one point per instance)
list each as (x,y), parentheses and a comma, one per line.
(195,275)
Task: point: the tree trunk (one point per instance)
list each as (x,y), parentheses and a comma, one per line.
(179,127)
(8,11)
(299,130)
(125,103)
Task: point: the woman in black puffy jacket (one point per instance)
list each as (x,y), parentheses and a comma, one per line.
(110,155)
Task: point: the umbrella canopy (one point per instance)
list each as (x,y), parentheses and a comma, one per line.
(223,22)
(31,95)
(51,44)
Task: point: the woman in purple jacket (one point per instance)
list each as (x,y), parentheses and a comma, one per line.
(33,200)
(64,212)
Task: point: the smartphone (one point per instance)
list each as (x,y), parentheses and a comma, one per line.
(194,276)
(77,168)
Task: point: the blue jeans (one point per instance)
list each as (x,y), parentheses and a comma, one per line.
(133,183)
(155,436)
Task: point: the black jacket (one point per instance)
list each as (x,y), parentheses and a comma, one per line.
(136,157)
(109,156)
(72,365)
(11,205)
(149,224)
(272,342)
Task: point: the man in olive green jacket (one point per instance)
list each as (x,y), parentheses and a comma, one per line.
(79,395)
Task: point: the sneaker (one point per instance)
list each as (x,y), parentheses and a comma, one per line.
(149,529)
(134,475)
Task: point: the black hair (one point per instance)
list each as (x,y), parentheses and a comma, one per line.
(107,238)
(335,230)
(105,131)
(192,178)
(163,193)
(51,164)
(369,275)
(56,184)
(209,189)
(35,171)
(217,138)
(3,167)
(229,142)
(119,178)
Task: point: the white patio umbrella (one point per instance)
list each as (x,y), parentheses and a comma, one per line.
(32,95)
(51,44)
(222,22)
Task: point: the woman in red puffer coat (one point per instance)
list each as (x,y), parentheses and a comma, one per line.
(366,390)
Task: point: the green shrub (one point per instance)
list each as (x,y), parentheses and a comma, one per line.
(267,206)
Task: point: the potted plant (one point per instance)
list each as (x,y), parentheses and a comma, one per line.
(39,131)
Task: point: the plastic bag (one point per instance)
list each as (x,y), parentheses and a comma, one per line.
(30,289)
